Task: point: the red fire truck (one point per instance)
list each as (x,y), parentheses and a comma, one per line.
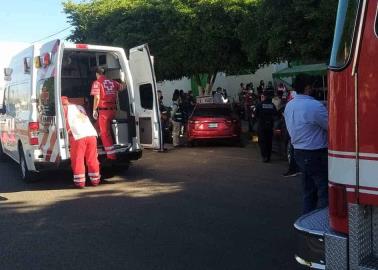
(345,235)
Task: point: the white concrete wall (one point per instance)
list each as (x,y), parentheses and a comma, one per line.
(168,87)
(230,83)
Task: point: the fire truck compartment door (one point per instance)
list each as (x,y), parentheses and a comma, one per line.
(148,125)
(52,138)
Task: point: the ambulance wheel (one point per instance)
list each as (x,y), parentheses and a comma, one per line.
(113,170)
(2,154)
(26,175)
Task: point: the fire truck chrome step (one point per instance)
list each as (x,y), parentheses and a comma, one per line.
(369,263)
(310,230)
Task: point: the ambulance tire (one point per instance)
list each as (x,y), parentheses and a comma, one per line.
(26,175)
(113,170)
(2,154)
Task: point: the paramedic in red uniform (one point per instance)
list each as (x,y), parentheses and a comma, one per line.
(83,144)
(104,108)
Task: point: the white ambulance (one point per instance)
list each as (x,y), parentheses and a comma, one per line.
(32,124)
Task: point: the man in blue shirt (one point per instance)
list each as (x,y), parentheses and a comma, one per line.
(307,123)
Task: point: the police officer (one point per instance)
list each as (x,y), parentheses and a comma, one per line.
(176,118)
(265,114)
(104,108)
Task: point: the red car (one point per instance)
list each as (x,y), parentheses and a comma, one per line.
(213,121)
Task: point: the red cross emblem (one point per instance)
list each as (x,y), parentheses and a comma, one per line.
(109,87)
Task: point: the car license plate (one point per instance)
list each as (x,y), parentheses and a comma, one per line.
(213,125)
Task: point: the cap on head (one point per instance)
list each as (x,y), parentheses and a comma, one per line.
(100,70)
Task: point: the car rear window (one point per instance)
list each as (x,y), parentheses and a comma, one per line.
(212,112)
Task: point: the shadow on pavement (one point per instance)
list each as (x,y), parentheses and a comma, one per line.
(192,212)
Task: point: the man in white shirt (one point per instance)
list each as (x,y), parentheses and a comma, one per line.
(307,123)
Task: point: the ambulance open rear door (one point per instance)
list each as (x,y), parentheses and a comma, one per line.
(148,125)
(52,137)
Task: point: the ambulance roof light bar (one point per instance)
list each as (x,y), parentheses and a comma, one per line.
(81,46)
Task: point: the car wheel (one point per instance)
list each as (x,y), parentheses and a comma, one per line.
(190,143)
(238,142)
(26,175)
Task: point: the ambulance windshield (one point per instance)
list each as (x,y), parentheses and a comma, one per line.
(344,30)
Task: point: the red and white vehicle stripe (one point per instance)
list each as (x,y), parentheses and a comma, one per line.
(342,168)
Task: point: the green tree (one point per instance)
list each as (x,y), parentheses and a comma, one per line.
(293,30)
(187,37)
(196,37)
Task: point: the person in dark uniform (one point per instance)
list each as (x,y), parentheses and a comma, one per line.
(265,114)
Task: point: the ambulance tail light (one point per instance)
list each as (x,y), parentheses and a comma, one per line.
(81,46)
(33,129)
(338,208)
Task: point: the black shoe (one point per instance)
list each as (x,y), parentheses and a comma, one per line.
(291,174)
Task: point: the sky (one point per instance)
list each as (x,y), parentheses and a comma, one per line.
(32,20)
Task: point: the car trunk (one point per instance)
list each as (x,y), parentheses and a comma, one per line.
(212,124)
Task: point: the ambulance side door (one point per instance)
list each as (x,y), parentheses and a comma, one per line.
(52,137)
(147,114)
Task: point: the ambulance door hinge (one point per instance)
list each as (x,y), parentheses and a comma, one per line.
(61,134)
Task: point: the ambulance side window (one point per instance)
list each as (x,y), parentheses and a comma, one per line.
(146,96)
(12,100)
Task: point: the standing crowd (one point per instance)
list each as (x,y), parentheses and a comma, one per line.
(306,121)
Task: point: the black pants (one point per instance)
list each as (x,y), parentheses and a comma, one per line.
(314,167)
(265,142)
(293,167)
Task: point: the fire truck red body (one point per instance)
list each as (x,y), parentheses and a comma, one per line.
(345,235)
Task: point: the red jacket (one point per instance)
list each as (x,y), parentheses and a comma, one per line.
(107,89)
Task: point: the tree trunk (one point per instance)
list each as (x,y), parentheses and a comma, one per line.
(199,84)
(210,82)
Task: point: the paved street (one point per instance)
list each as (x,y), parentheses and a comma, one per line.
(209,207)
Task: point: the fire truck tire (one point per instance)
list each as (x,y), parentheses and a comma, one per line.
(26,175)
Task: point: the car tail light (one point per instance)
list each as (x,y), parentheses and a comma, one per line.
(33,129)
(193,122)
(338,208)
(81,46)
